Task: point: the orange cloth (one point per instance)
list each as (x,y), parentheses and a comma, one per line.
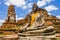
(33,16)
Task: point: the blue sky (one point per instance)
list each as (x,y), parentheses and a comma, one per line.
(23,7)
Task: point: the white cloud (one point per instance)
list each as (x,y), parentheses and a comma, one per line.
(30,10)
(17,3)
(51,8)
(58,16)
(24,7)
(1,21)
(29,5)
(19,18)
(43,2)
(0,2)
(48,1)
(49,13)
(16,17)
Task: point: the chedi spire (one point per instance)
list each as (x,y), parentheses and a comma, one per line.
(11,17)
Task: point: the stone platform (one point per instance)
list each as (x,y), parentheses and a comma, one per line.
(36,38)
(8,37)
(15,37)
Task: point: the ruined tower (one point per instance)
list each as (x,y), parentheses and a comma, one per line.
(11,18)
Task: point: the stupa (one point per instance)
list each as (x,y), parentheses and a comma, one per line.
(10,22)
(11,18)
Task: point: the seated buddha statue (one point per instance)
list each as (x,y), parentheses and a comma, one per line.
(36,25)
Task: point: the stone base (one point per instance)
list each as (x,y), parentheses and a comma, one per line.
(35,38)
(8,37)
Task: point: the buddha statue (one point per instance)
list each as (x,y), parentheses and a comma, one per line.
(36,25)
